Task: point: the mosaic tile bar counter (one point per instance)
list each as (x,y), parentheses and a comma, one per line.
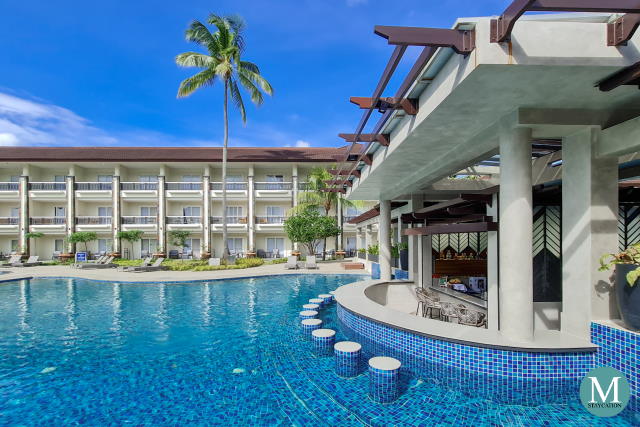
(512,364)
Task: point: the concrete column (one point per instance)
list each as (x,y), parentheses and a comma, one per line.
(493,302)
(516,234)
(206,213)
(251,211)
(413,256)
(384,239)
(116,213)
(340,242)
(23,227)
(71,209)
(162,215)
(589,230)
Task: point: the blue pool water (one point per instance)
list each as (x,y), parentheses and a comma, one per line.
(224,352)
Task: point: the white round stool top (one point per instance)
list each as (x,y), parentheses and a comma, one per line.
(347,346)
(384,363)
(310,306)
(332,292)
(323,333)
(312,322)
(325,296)
(316,300)
(307,313)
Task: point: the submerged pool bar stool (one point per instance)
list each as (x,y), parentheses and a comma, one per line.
(347,357)
(326,298)
(310,325)
(308,314)
(318,301)
(323,340)
(383,379)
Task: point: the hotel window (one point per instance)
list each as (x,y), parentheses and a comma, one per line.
(148,246)
(14,178)
(105,178)
(191,211)
(275,214)
(235,245)
(15,212)
(148,211)
(192,247)
(58,245)
(148,178)
(105,211)
(58,211)
(104,246)
(350,244)
(59,178)
(275,246)
(234,211)
(191,178)
(275,178)
(14,245)
(235,178)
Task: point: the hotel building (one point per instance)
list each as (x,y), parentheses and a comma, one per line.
(58,191)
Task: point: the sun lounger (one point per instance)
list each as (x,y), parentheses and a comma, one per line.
(106,263)
(99,260)
(292,263)
(311,263)
(157,265)
(13,259)
(32,261)
(145,263)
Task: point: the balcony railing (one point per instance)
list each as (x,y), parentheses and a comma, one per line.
(277,186)
(270,219)
(230,220)
(303,186)
(93,220)
(8,186)
(231,186)
(93,186)
(138,186)
(9,220)
(48,186)
(184,220)
(139,220)
(184,186)
(48,220)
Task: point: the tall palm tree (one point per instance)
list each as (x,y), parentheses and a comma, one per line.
(316,198)
(223,62)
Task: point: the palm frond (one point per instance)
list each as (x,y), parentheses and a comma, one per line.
(250,66)
(199,33)
(256,95)
(195,59)
(257,79)
(204,78)
(236,97)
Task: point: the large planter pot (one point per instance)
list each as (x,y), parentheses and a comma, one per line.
(628,297)
(372,257)
(404,259)
(66,257)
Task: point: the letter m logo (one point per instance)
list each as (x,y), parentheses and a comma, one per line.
(597,388)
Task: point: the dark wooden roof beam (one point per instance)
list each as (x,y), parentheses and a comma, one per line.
(409,105)
(338,182)
(461,41)
(626,76)
(382,139)
(620,31)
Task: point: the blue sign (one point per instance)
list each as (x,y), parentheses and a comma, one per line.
(81,256)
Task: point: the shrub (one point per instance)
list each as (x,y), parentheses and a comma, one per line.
(278,261)
(249,262)
(127,262)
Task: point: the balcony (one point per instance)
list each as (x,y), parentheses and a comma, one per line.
(139,191)
(184,186)
(9,191)
(9,224)
(48,224)
(303,186)
(47,191)
(93,190)
(93,223)
(189,223)
(8,186)
(234,223)
(235,190)
(270,223)
(281,191)
(187,191)
(144,223)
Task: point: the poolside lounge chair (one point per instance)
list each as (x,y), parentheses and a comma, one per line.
(98,260)
(292,263)
(311,263)
(214,262)
(13,259)
(145,263)
(31,262)
(105,263)
(157,265)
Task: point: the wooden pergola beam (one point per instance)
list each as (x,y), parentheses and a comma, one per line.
(461,41)
(626,76)
(338,182)
(382,138)
(620,31)
(469,227)
(345,172)
(408,105)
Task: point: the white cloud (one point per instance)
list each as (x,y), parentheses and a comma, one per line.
(352,3)
(301,143)
(8,139)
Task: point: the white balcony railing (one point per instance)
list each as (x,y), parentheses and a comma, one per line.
(184,220)
(231,186)
(270,219)
(93,186)
(8,186)
(138,186)
(273,186)
(230,220)
(48,220)
(9,220)
(93,220)
(184,186)
(141,220)
(47,186)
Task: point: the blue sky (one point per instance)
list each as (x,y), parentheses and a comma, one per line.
(94,73)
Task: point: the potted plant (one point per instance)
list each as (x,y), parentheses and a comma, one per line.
(204,254)
(67,254)
(159,253)
(372,253)
(627,274)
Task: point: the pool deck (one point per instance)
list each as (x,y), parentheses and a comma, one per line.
(112,274)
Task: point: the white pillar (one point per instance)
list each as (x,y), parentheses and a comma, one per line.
(71,209)
(493,304)
(206,212)
(384,239)
(23,228)
(516,234)
(589,230)
(340,242)
(115,212)
(162,215)
(413,257)
(251,211)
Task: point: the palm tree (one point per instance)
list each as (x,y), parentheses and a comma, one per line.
(315,197)
(222,62)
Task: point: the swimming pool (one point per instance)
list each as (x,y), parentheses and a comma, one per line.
(223,352)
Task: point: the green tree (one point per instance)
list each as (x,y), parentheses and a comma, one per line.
(309,227)
(316,198)
(35,235)
(222,62)
(179,238)
(83,237)
(131,236)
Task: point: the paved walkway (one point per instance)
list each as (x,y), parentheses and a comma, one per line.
(113,274)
